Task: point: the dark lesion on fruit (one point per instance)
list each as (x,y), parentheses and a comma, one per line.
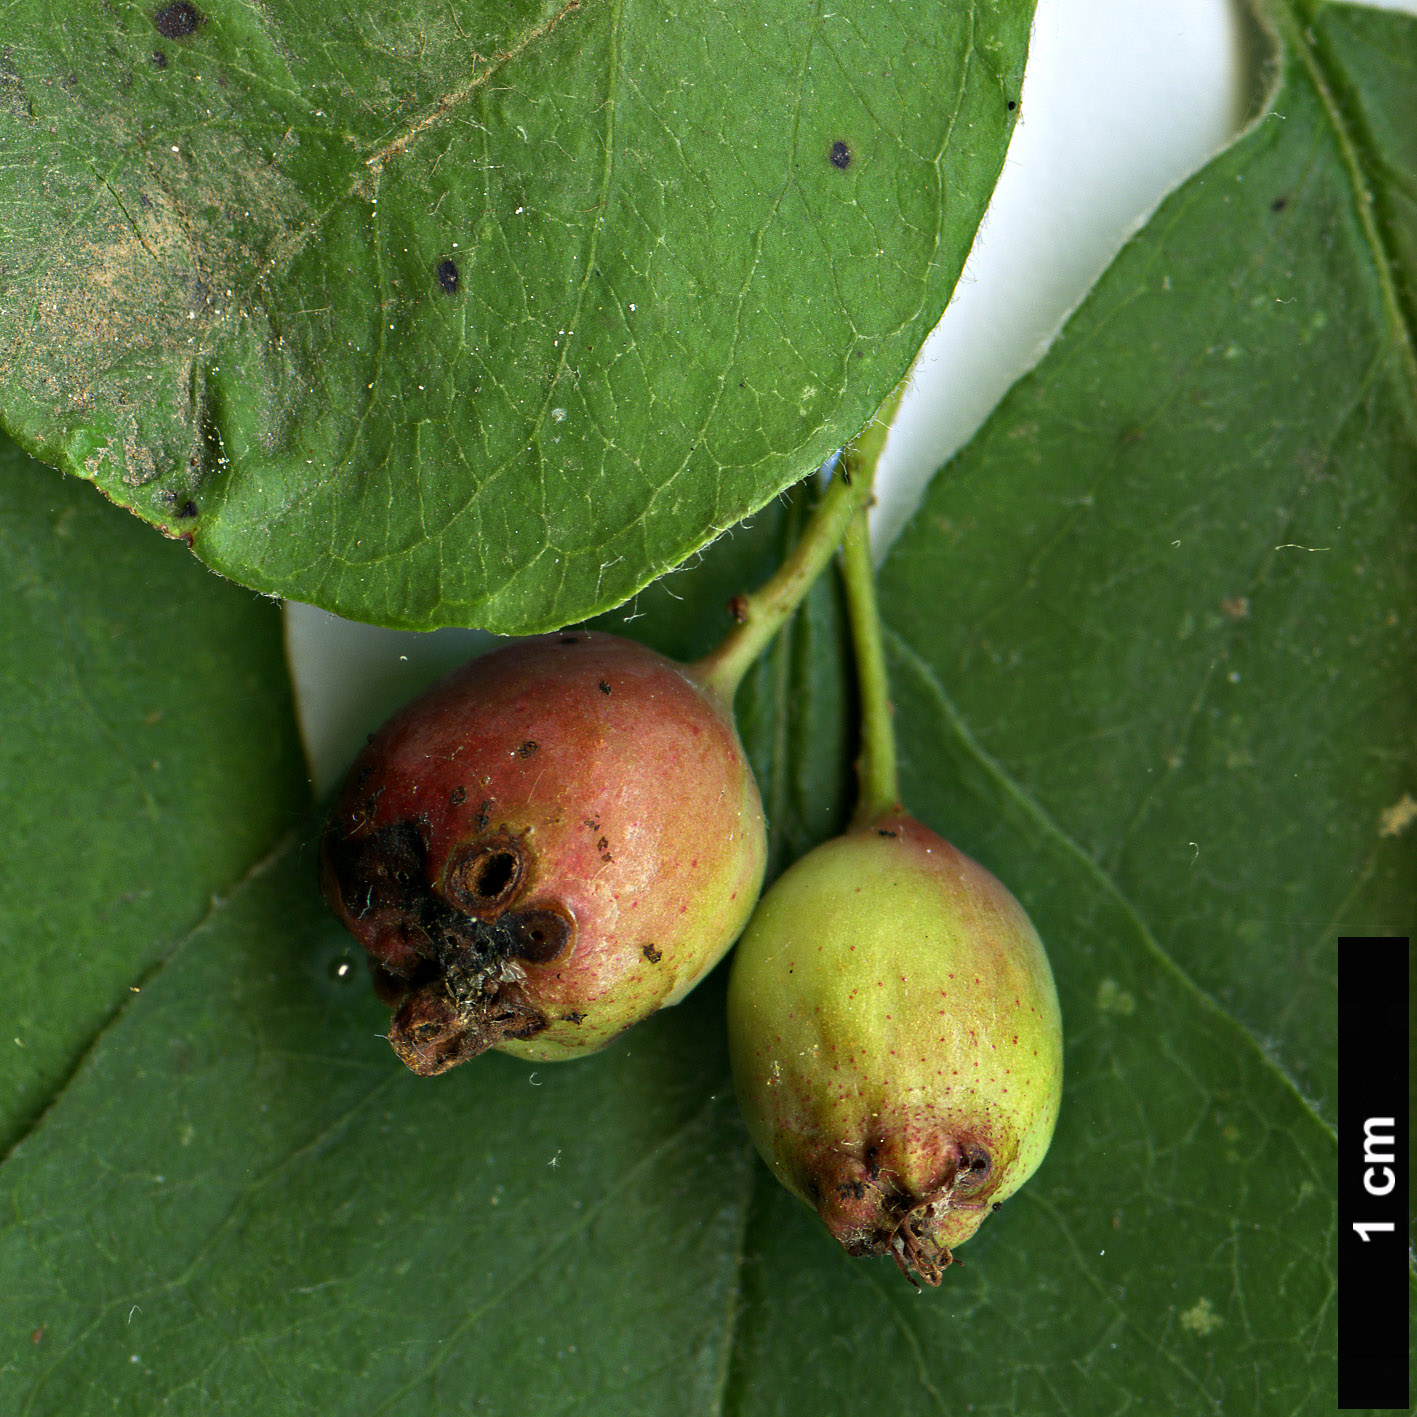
(975,1166)
(448,955)
(871,1154)
(377,871)
(539,935)
(484,877)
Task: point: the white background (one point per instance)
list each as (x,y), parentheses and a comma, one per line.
(1122,100)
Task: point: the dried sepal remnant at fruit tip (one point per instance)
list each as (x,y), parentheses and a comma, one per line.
(551,843)
(896,1041)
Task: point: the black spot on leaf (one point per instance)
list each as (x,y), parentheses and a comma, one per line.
(448,276)
(840,155)
(178,20)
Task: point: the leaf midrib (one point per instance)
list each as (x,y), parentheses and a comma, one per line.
(220,900)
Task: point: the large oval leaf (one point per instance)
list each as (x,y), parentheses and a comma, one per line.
(487,315)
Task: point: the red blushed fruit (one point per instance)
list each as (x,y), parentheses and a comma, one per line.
(554,841)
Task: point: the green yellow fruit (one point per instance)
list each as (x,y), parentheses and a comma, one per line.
(896,1041)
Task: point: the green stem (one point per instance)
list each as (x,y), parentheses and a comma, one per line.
(763,612)
(876,771)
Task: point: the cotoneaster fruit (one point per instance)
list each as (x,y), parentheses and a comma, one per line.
(554,841)
(896,1041)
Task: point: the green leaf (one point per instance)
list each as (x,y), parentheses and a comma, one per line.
(271,1214)
(1180,553)
(488,315)
(148,758)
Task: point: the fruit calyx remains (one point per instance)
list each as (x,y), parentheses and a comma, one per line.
(871,1211)
(450,959)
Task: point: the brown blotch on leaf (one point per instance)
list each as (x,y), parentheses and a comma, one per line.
(528,748)
(651,954)
(178,20)
(604,687)
(458,796)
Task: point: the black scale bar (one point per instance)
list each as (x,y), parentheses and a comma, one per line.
(1373,1173)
